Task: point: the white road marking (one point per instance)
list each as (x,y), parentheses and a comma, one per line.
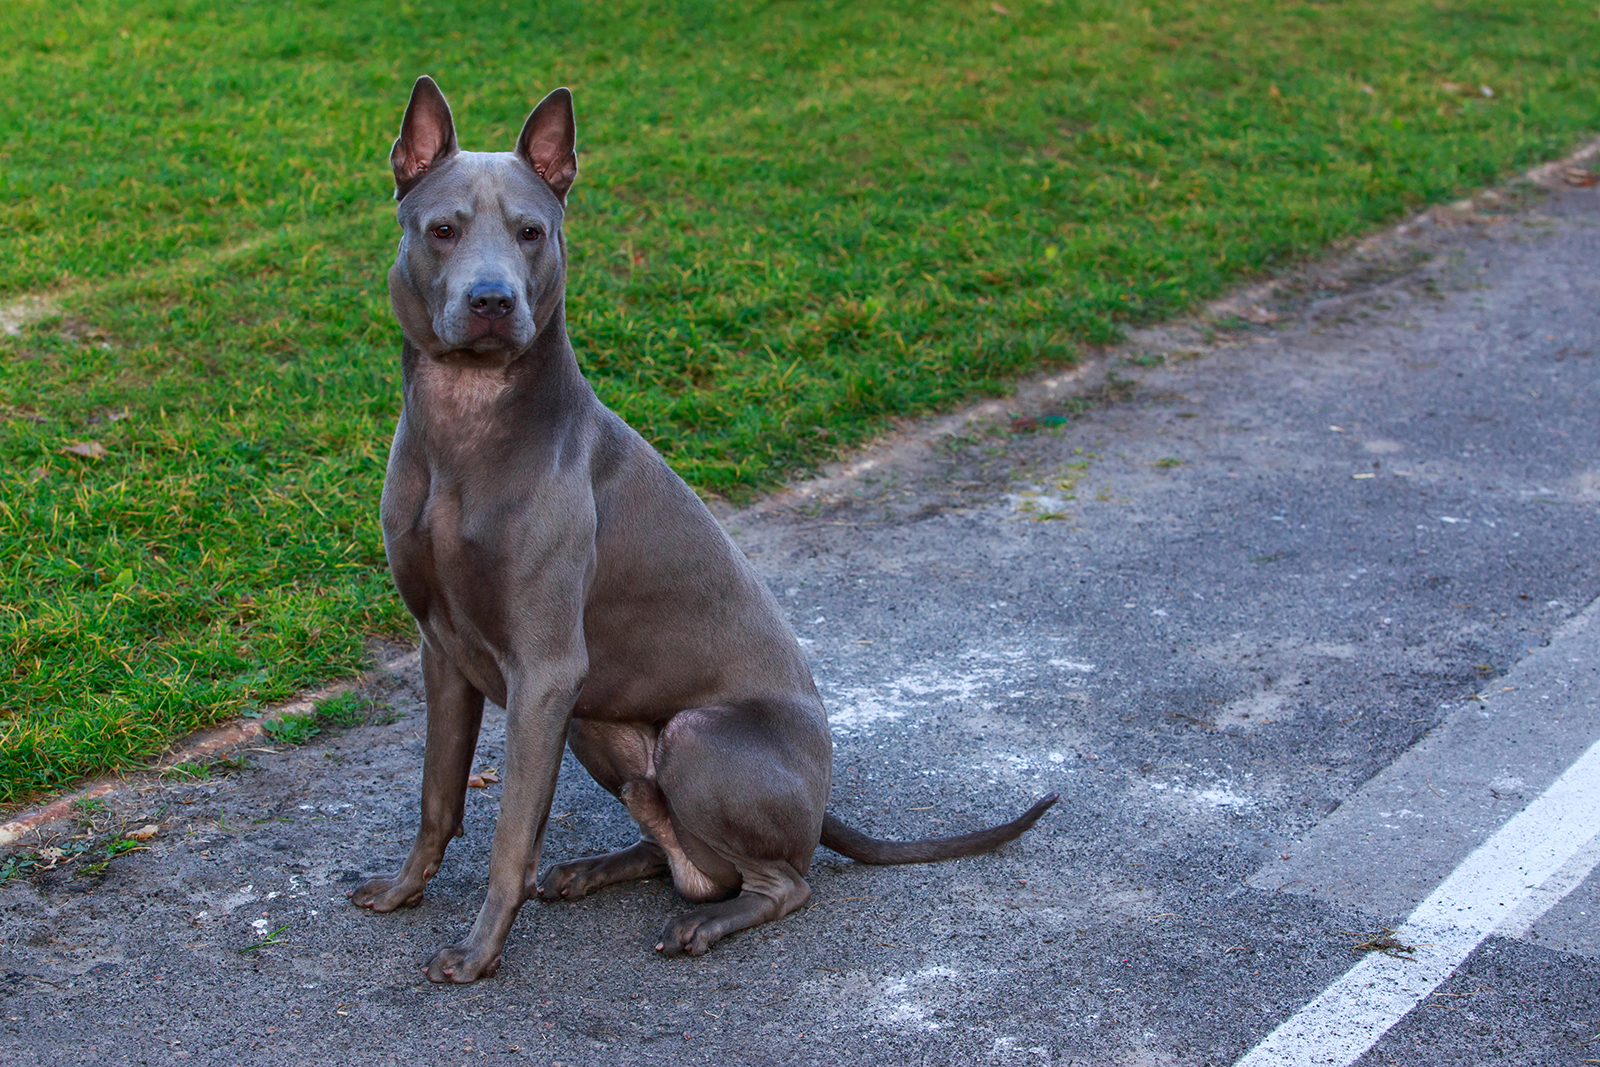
(1534,860)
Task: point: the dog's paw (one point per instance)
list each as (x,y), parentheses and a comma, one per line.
(685,935)
(461,964)
(387,894)
(573,880)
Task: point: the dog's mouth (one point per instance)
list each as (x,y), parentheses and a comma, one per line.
(492,332)
(487,335)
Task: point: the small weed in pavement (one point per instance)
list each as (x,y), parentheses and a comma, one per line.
(342,711)
(293,729)
(23,864)
(118,847)
(204,770)
(271,939)
(345,710)
(87,855)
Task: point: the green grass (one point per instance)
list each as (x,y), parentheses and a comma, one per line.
(794,221)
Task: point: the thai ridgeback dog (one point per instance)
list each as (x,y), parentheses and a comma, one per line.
(558,567)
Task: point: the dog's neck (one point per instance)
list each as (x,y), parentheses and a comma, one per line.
(473,400)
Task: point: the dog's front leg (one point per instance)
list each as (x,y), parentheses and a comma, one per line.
(536,730)
(455,712)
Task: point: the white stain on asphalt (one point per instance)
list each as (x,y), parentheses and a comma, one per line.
(981,678)
(907,1000)
(1217,795)
(855,707)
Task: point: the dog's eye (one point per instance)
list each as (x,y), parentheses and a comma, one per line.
(531,233)
(443,233)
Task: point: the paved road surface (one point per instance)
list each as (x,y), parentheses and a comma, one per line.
(1294,621)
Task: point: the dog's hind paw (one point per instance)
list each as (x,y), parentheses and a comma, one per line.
(694,932)
(568,881)
(684,936)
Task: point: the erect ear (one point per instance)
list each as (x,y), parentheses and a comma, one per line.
(549,140)
(427,136)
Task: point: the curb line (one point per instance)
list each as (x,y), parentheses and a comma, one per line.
(195,746)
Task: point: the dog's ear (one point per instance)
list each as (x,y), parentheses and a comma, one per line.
(549,141)
(427,136)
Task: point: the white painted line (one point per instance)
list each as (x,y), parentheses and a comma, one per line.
(1505,885)
(1547,896)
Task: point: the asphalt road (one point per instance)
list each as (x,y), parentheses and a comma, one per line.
(1293,618)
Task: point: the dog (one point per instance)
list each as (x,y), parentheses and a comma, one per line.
(557,566)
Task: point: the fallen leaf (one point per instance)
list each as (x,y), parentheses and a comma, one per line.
(86,449)
(484,778)
(1385,943)
(1023,424)
(144,833)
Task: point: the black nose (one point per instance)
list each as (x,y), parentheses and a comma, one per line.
(491,300)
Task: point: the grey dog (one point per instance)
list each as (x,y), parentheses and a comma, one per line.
(558,567)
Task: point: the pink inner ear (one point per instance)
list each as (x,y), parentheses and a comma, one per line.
(412,165)
(426,135)
(425,148)
(543,156)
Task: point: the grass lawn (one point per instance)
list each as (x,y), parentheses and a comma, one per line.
(793,221)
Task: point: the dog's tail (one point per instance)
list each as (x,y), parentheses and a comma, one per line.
(858,846)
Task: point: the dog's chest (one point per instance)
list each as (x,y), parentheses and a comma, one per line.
(447,565)
(441,501)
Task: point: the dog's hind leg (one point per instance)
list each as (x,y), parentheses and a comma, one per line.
(768,891)
(455,712)
(618,756)
(576,879)
(745,789)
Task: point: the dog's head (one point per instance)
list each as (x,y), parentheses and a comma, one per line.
(482,261)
